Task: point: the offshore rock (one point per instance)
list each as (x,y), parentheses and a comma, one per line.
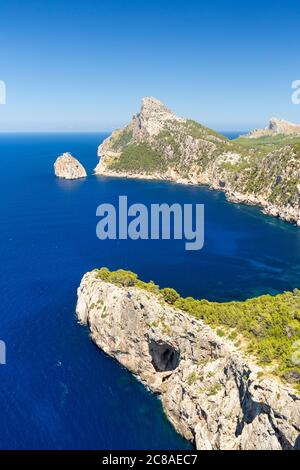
(66,166)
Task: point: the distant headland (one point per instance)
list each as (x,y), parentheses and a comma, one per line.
(67,167)
(261,168)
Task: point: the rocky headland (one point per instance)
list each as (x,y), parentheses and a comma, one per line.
(156,144)
(215,395)
(68,167)
(276,127)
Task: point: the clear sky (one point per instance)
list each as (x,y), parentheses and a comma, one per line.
(86,64)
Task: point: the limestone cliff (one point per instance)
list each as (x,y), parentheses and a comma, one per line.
(68,167)
(214,395)
(157,144)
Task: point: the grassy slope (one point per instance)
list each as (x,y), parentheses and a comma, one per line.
(275,162)
(270,324)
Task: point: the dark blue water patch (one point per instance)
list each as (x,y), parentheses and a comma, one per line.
(233,134)
(58,390)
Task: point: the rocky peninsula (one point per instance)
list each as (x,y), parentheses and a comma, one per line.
(260,169)
(215,395)
(67,167)
(276,127)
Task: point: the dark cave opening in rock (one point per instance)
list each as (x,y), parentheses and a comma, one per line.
(164,357)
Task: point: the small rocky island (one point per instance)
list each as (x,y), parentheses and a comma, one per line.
(214,394)
(261,168)
(67,167)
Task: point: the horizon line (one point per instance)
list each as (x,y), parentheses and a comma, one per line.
(49,131)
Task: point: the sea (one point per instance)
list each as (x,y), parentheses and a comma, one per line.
(58,390)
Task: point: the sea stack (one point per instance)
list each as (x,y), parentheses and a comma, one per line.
(68,167)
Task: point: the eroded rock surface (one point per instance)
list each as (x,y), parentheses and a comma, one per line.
(67,167)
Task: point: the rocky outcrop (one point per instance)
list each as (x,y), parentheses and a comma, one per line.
(152,118)
(157,144)
(67,167)
(213,395)
(276,127)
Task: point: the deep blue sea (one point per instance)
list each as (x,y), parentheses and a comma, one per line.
(58,390)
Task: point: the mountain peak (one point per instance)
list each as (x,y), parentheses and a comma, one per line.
(152,116)
(282,126)
(154,105)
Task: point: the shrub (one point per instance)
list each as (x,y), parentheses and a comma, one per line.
(170,295)
(148,286)
(103,274)
(123,278)
(214,389)
(192,378)
(220,332)
(119,277)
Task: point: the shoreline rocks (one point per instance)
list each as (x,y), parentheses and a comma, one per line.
(68,167)
(285,213)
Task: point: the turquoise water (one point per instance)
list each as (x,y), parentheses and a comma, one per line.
(57,389)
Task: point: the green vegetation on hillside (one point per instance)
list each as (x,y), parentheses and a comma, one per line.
(196,130)
(268,142)
(270,324)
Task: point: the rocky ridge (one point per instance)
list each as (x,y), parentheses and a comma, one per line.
(67,167)
(276,127)
(157,144)
(212,393)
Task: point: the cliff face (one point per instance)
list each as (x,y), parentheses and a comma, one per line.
(68,167)
(159,145)
(276,127)
(213,395)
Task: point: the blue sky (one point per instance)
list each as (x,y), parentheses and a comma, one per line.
(85,65)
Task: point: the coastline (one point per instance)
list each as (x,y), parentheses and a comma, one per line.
(214,395)
(289,215)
